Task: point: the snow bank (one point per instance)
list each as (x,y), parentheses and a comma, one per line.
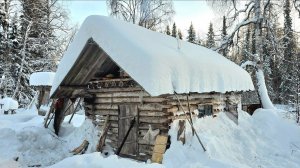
(23,136)
(9,104)
(154,60)
(42,78)
(97,160)
(261,140)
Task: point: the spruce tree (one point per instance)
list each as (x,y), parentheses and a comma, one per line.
(224,51)
(179,34)
(191,34)
(174,30)
(288,69)
(168,30)
(210,42)
(246,45)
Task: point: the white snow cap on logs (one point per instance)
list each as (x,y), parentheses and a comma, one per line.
(41,78)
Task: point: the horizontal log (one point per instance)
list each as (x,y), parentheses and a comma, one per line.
(147,149)
(153,113)
(175,109)
(103,106)
(191,96)
(180,117)
(108,90)
(141,107)
(191,102)
(153,125)
(111,118)
(171,109)
(113,137)
(129,100)
(103,112)
(122,94)
(154,120)
(113,144)
(110,80)
(114,124)
(153,107)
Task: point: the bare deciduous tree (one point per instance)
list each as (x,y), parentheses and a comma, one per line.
(257,9)
(149,14)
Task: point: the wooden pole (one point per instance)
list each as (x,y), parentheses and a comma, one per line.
(189,108)
(75,110)
(193,129)
(48,114)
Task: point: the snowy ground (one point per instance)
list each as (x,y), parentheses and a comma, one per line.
(261,140)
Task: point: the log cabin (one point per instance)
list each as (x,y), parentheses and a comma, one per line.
(127,73)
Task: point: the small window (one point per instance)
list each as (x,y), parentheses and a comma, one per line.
(204,110)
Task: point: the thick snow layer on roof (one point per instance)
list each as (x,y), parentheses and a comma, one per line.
(155,61)
(8,104)
(42,78)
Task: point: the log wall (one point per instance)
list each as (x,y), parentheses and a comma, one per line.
(158,111)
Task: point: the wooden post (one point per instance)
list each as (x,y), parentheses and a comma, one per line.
(188,102)
(74,110)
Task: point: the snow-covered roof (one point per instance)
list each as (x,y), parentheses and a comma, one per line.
(42,78)
(161,64)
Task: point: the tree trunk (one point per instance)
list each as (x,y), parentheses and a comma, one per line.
(262,90)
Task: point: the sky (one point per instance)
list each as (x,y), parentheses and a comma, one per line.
(197,12)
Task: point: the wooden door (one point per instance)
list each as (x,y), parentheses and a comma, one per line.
(126,113)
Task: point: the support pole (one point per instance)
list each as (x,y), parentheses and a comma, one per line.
(75,110)
(193,129)
(189,108)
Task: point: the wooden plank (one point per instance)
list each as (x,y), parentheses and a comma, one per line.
(88,69)
(81,149)
(159,148)
(78,63)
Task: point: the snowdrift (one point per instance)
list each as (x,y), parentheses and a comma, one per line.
(261,140)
